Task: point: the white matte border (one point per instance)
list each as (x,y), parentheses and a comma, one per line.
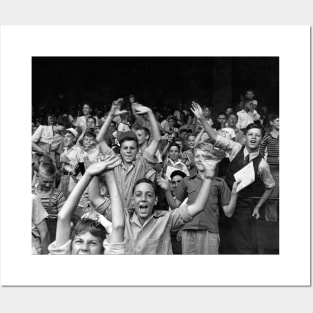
(20,43)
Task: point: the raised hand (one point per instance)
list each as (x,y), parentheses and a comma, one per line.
(116,107)
(164,183)
(209,166)
(108,163)
(196,110)
(140,109)
(235,186)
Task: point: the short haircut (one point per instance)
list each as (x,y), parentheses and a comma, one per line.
(234,114)
(88,225)
(180,173)
(222,113)
(146,130)
(143,180)
(273,117)
(174,144)
(254,125)
(204,146)
(92,117)
(90,134)
(191,135)
(128,138)
(47,168)
(90,106)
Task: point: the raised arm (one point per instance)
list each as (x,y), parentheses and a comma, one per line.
(115,110)
(203,195)
(155,133)
(118,217)
(197,111)
(165,185)
(65,215)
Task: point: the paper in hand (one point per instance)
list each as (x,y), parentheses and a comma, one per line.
(246,176)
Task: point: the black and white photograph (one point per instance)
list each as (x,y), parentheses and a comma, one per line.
(155,155)
(156,152)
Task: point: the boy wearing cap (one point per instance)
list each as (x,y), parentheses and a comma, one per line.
(71,157)
(131,168)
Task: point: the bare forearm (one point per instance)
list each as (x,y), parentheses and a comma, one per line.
(230,208)
(170,200)
(210,131)
(104,129)
(37,149)
(154,127)
(264,197)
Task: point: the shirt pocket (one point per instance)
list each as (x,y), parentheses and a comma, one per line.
(152,246)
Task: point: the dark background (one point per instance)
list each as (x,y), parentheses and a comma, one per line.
(63,84)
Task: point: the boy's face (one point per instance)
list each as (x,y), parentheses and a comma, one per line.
(222,119)
(86,243)
(198,154)
(232,120)
(86,109)
(191,142)
(128,150)
(253,138)
(175,181)
(89,142)
(144,200)
(174,153)
(275,123)
(91,123)
(45,181)
(206,112)
(141,136)
(249,94)
(68,139)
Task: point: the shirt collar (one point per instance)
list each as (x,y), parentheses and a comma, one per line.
(252,155)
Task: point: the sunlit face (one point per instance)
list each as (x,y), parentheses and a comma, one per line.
(86,243)
(175,181)
(222,120)
(91,123)
(232,120)
(198,154)
(174,153)
(128,150)
(191,142)
(275,124)
(89,142)
(69,139)
(86,109)
(141,136)
(45,181)
(253,139)
(144,200)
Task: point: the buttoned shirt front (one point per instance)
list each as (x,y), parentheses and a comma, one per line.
(153,237)
(244,119)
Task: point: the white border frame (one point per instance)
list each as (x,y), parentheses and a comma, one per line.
(20,43)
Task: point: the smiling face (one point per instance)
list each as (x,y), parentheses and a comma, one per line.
(128,151)
(86,109)
(191,141)
(144,200)
(198,154)
(45,181)
(253,139)
(141,135)
(86,243)
(89,142)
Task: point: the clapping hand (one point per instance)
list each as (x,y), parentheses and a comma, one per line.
(108,163)
(116,107)
(164,183)
(140,109)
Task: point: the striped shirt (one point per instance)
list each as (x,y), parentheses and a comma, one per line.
(52,200)
(271,144)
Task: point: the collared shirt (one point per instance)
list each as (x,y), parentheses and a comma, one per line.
(153,237)
(46,138)
(75,154)
(126,177)
(219,196)
(233,148)
(244,119)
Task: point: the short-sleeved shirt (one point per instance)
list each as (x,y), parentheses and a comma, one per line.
(153,237)
(39,214)
(126,178)
(244,119)
(219,196)
(272,145)
(233,148)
